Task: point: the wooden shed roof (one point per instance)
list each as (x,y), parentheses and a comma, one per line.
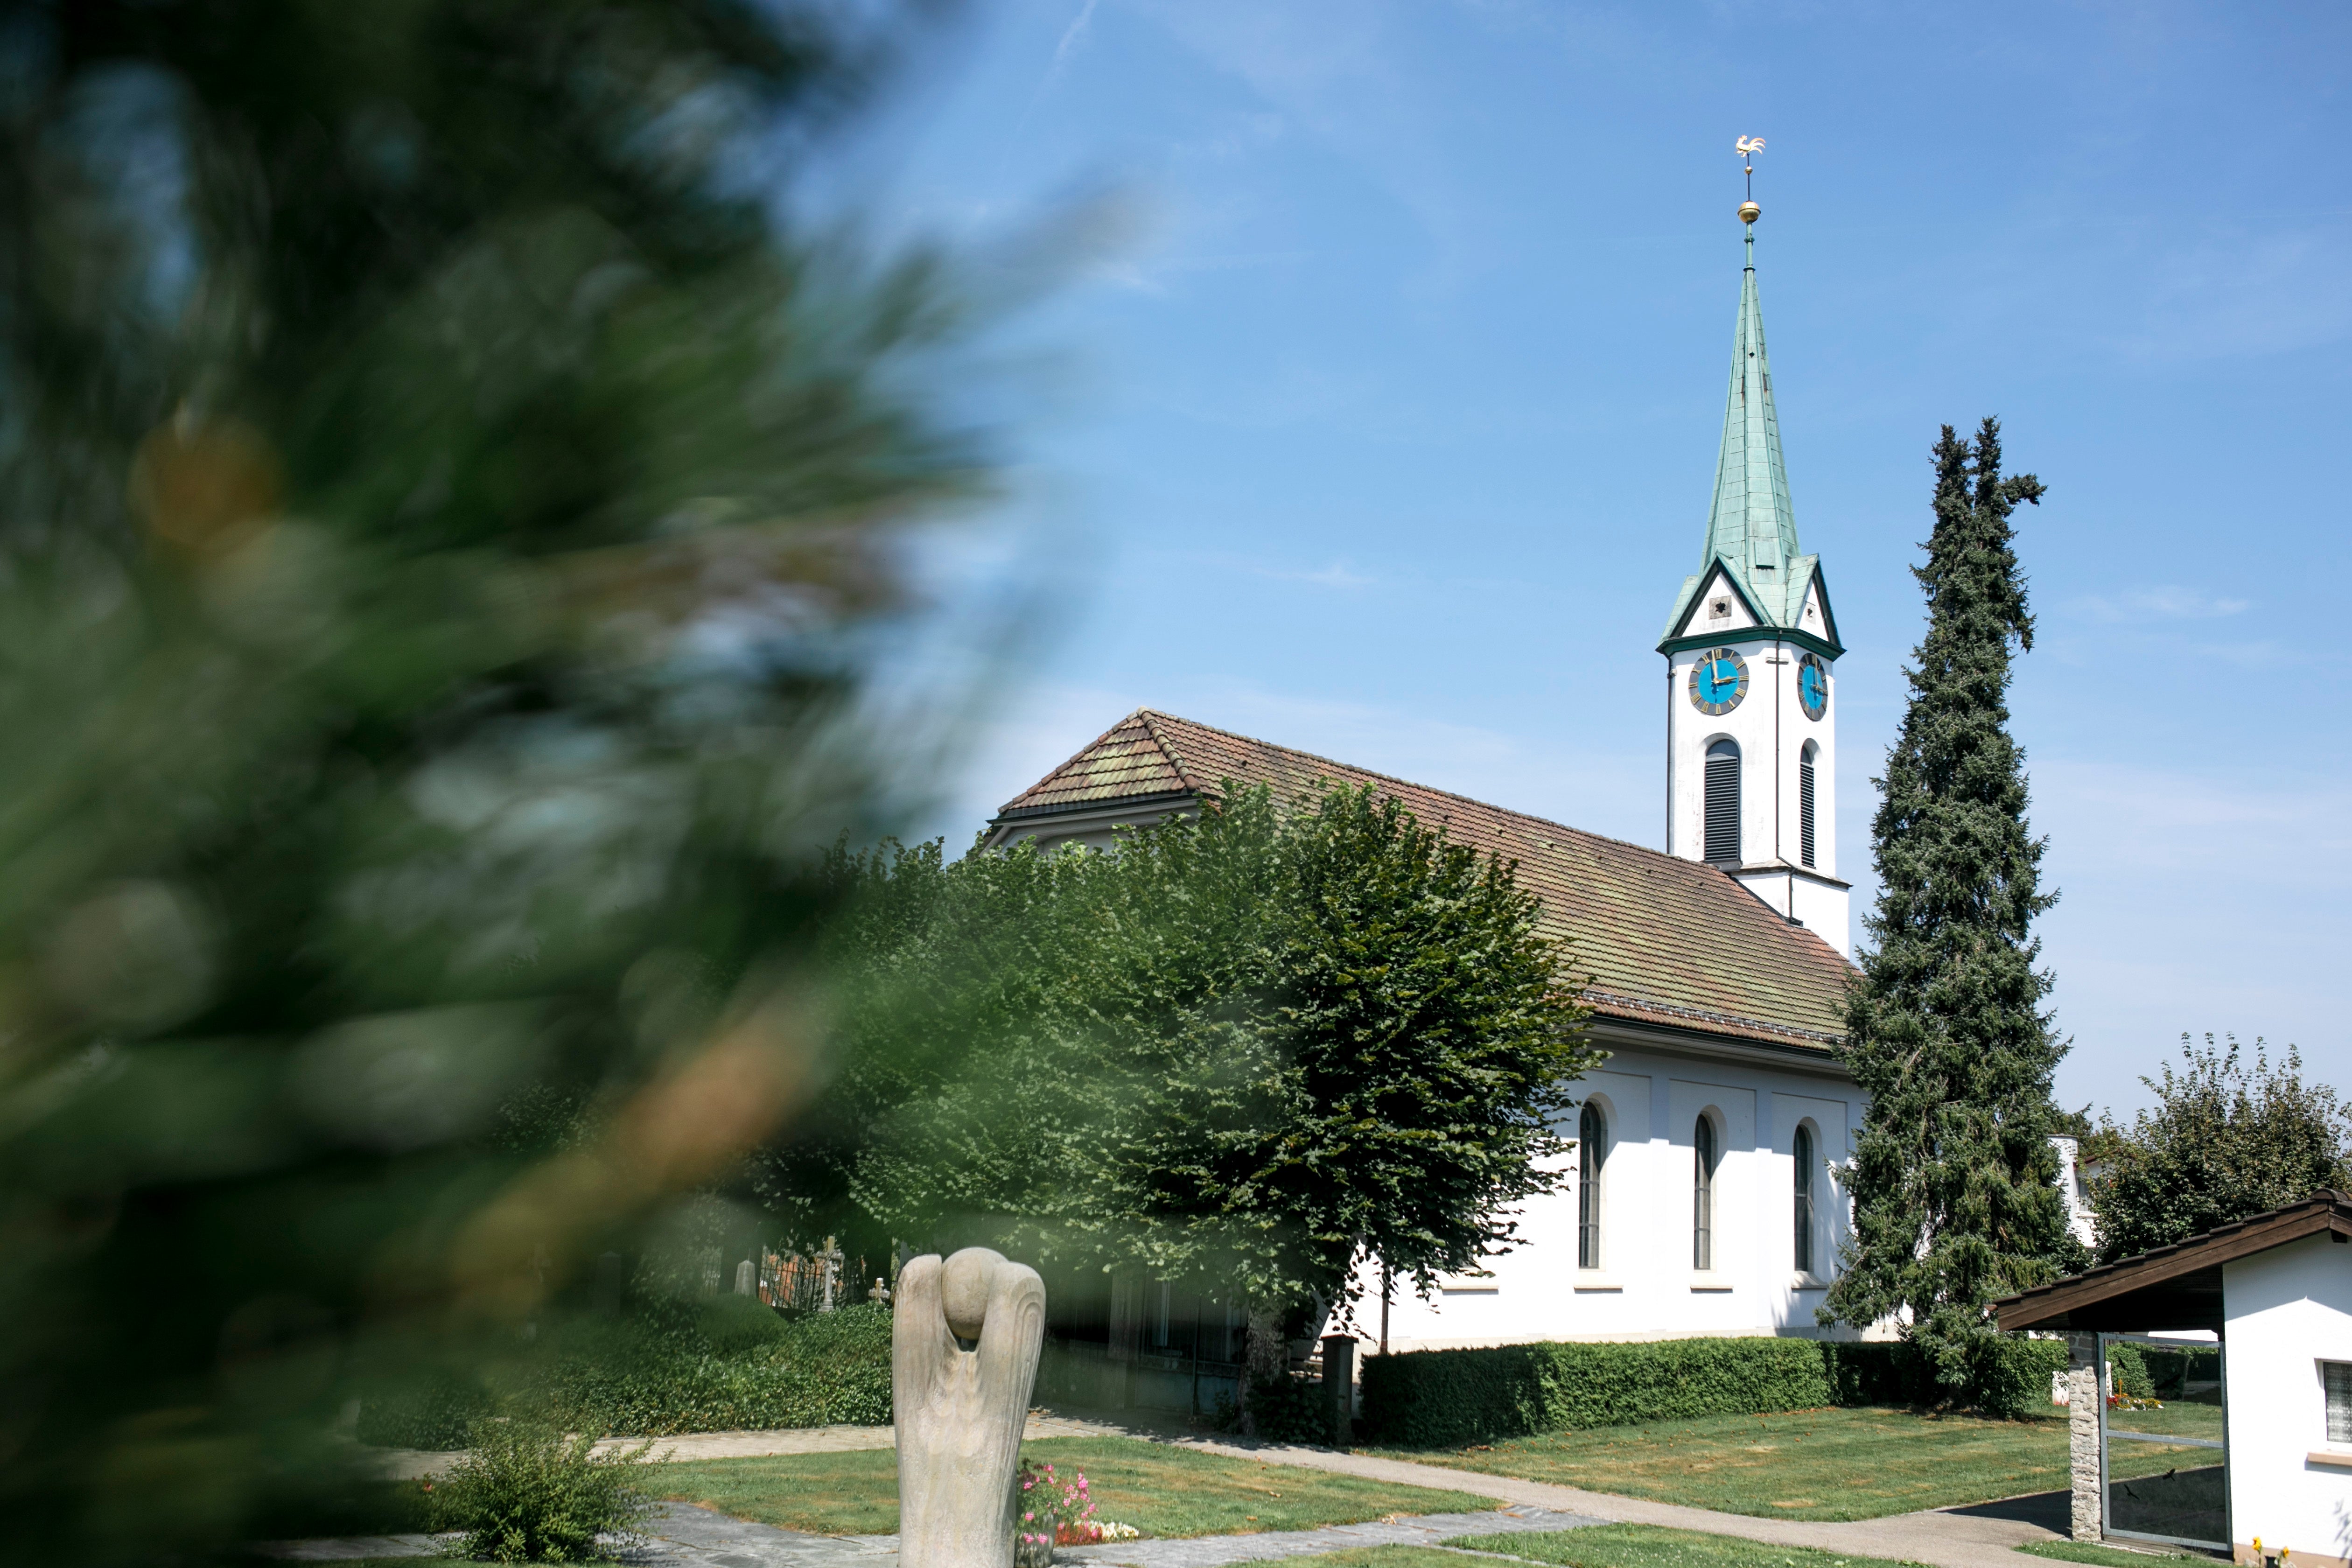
(2176,1287)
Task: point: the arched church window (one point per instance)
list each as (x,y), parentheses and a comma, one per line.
(1723,802)
(1703,1154)
(1805,801)
(1591,1148)
(1804,1199)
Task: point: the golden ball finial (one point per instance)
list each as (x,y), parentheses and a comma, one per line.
(1749,212)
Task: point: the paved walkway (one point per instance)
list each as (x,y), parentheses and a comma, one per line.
(683,1535)
(1406,1529)
(403,1464)
(1981,1536)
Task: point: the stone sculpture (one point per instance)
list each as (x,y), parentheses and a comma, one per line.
(964,1337)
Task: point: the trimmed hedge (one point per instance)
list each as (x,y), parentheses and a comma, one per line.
(722,1365)
(1446,1399)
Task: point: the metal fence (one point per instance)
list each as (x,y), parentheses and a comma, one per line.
(818,1281)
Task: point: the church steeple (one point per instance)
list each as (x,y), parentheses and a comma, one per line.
(1751,725)
(1751,526)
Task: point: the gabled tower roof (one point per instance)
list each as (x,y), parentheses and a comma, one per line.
(1751,529)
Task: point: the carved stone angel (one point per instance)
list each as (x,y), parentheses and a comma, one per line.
(964,1336)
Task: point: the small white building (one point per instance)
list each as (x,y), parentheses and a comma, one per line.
(2277,1290)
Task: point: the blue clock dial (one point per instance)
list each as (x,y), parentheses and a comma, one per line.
(1718,681)
(1813,685)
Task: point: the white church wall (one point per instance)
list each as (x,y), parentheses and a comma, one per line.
(1825,910)
(1646,1287)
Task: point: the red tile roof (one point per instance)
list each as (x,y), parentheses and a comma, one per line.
(1662,940)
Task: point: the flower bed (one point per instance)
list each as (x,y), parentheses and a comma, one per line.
(1058,1511)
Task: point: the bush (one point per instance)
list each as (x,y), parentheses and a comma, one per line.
(723,1364)
(2013,1380)
(526,1493)
(2170,1372)
(2127,1373)
(1283,1409)
(731,1324)
(434,1410)
(648,1380)
(1443,1399)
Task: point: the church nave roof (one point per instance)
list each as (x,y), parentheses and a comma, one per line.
(1662,940)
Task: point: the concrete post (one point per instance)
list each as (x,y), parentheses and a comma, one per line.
(1339,1386)
(2083,1393)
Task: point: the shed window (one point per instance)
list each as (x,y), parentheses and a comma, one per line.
(2339,1377)
(1804,1200)
(1592,1148)
(1703,1193)
(1723,802)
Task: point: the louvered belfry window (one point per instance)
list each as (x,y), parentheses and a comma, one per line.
(1723,802)
(1805,805)
(1592,1148)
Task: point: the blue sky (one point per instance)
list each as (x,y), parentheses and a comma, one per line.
(1387,426)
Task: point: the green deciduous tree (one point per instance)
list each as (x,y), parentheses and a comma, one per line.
(1244,1050)
(2225,1140)
(1954,1180)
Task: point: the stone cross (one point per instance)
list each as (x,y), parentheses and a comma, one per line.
(964,1338)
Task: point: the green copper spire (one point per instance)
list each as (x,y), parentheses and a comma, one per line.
(1751,525)
(1751,529)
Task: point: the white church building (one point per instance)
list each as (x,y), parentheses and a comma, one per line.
(1704,1196)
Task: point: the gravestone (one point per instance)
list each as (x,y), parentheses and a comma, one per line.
(964,1338)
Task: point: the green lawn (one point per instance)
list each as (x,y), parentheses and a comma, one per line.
(2181,1419)
(1601,1546)
(2104,1556)
(1813,1463)
(1160,1490)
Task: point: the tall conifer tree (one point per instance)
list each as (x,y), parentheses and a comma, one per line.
(1954,1184)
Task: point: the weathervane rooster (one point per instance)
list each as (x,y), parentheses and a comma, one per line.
(1748,147)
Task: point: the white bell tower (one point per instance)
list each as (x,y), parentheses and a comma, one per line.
(1751,700)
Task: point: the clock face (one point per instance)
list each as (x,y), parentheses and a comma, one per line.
(1718,681)
(1813,685)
